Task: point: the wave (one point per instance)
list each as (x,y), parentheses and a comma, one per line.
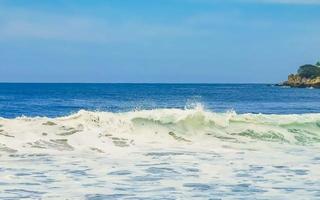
(100,131)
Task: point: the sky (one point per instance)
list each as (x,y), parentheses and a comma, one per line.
(157,41)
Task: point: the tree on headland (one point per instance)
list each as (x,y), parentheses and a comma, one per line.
(318,63)
(309,71)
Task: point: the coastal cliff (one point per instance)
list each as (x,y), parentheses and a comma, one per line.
(307,76)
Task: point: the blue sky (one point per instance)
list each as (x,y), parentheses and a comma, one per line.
(206,41)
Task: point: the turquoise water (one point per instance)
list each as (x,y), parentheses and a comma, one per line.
(159,141)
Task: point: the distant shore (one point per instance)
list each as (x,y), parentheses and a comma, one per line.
(306,77)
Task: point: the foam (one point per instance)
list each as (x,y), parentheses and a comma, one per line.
(101,131)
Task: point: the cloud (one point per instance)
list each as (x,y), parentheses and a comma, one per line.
(27,24)
(23,23)
(293,2)
(310,2)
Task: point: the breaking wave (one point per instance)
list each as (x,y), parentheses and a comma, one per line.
(100,131)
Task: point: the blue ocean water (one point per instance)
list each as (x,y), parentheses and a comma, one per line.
(159,141)
(54,100)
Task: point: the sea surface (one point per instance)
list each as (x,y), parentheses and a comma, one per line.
(159,141)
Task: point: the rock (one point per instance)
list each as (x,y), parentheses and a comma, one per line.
(307,76)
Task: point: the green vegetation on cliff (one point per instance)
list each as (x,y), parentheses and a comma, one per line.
(309,71)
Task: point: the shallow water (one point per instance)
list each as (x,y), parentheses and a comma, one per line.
(167,152)
(174,173)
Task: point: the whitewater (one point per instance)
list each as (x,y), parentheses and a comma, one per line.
(190,153)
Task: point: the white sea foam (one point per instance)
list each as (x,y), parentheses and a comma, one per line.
(160,154)
(100,131)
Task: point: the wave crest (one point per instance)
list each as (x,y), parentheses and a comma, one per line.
(99,131)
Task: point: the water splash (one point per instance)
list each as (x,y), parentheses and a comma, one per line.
(101,131)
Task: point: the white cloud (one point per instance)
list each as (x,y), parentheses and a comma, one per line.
(313,2)
(27,24)
(299,2)
(35,24)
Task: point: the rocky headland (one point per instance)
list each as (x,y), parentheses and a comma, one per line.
(307,76)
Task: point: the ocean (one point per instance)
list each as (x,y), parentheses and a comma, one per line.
(159,141)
